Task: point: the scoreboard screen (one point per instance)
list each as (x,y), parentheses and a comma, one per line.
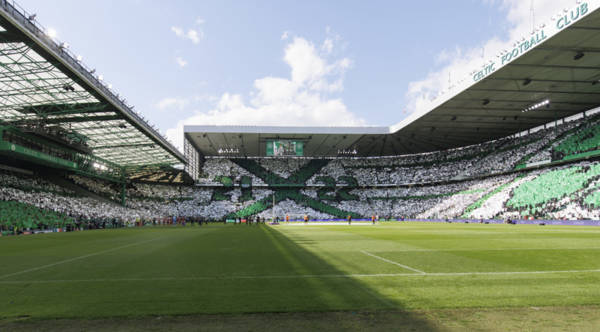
(285,148)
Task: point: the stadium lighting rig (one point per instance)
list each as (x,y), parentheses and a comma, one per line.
(226,151)
(348,152)
(536,106)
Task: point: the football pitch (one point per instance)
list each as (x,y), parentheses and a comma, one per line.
(256,270)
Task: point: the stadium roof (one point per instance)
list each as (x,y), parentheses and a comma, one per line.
(42,82)
(550,74)
(251,140)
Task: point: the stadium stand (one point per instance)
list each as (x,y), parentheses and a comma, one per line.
(478,160)
(90,161)
(17,216)
(468,182)
(587,138)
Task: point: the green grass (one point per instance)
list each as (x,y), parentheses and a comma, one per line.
(234,269)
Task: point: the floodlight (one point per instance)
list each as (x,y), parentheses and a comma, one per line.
(536,106)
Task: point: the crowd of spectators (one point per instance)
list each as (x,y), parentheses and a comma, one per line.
(36,192)
(101,188)
(469,182)
(158,191)
(492,157)
(215,167)
(478,198)
(564,192)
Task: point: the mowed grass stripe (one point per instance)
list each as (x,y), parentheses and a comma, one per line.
(496,261)
(306,276)
(77,258)
(235,251)
(237,269)
(29,253)
(495,249)
(392,262)
(455,237)
(494,253)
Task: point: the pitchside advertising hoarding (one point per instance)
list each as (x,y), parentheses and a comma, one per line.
(277,148)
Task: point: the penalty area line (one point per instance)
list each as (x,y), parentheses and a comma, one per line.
(77,258)
(406,267)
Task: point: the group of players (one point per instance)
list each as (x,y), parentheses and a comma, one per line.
(258,220)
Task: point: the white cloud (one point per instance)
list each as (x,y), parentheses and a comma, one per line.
(457,64)
(180,62)
(303,99)
(178,31)
(192,34)
(327,45)
(285,35)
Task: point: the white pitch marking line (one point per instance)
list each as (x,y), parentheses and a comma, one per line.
(392,262)
(300,276)
(326,224)
(493,249)
(442,274)
(76,258)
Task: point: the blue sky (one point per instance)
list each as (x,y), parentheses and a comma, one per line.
(284,62)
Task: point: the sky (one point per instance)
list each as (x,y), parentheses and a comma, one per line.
(293,63)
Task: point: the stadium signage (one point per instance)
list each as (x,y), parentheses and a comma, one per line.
(574,15)
(285,148)
(36,155)
(524,47)
(526,44)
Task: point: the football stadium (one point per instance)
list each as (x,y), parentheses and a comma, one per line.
(479,212)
